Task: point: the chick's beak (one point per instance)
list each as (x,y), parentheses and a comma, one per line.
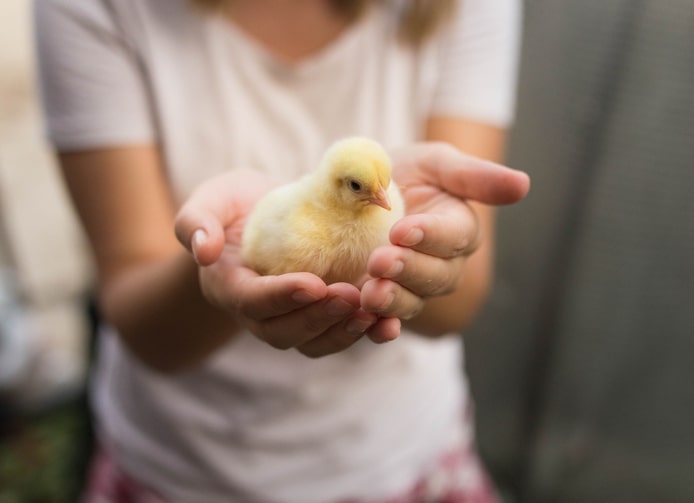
(380,198)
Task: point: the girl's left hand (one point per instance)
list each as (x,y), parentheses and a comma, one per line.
(430,244)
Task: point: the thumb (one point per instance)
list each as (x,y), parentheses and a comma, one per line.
(199,224)
(215,206)
(470,177)
(200,233)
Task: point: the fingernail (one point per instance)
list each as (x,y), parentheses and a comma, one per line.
(415,236)
(395,269)
(338,307)
(357,326)
(199,238)
(304,297)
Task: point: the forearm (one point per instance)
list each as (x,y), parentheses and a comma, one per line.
(162,316)
(148,284)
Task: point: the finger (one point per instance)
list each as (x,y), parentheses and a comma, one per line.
(304,324)
(215,205)
(199,224)
(385,330)
(452,230)
(467,176)
(340,336)
(422,274)
(263,297)
(388,299)
(201,235)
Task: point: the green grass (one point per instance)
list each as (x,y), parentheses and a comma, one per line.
(43,457)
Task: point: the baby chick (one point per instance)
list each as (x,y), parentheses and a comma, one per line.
(329,221)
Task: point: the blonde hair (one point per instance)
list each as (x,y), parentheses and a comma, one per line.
(419,18)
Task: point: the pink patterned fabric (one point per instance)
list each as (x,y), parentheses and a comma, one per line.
(458,477)
(108,484)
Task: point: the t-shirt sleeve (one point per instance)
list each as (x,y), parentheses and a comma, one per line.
(479,59)
(92,89)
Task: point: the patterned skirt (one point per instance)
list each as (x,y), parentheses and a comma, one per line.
(456,477)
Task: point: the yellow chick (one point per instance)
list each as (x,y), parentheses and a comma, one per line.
(329,221)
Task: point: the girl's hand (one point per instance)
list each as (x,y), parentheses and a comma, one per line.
(430,244)
(290,310)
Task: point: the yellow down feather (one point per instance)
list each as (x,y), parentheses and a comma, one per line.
(329,221)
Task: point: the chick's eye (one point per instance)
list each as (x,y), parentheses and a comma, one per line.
(354,185)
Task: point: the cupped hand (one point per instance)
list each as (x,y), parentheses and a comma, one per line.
(295,310)
(431,243)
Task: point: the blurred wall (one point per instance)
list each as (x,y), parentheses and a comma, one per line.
(45,270)
(581,364)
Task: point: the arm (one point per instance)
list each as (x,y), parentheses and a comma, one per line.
(95,97)
(148,285)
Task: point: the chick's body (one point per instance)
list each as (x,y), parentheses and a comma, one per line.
(329,221)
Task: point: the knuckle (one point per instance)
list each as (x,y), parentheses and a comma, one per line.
(440,283)
(466,244)
(448,282)
(413,310)
(469,241)
(462,246)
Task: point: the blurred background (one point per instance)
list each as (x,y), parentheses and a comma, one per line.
(45,278)
(580,363)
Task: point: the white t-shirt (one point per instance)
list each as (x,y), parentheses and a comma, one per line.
(255,424)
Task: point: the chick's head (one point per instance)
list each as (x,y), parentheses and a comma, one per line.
(359,172)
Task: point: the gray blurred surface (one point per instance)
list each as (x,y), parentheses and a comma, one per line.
(581,365)
(45,268)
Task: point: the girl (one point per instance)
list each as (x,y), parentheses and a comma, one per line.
(159,107)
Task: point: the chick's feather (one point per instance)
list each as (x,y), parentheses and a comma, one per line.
(329,221)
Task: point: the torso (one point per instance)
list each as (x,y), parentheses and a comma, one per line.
(224,104)
(290,30)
